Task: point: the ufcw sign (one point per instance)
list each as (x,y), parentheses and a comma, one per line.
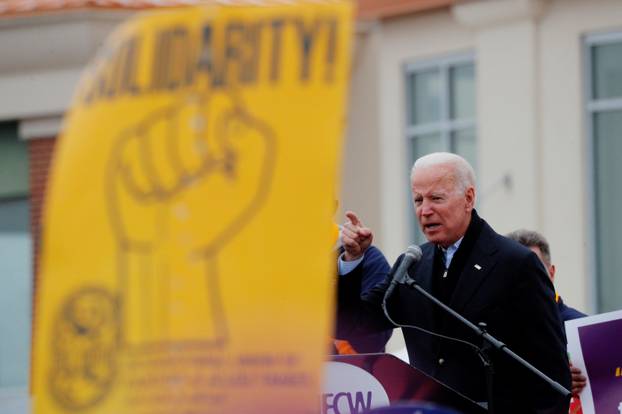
(347,402)
(349,389)
(171,280)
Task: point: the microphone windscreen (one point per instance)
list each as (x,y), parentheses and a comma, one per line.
(414,251)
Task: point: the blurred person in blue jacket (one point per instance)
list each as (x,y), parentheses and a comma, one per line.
(374,269)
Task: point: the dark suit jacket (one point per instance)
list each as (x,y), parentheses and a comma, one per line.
(500,283)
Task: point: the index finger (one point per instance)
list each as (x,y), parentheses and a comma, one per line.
(354,219)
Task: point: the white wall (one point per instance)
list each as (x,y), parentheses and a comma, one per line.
(43,57)
(361,166)
(508,124)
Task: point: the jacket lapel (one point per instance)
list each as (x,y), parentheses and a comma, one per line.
(420,309)
(477,268)
(422,274)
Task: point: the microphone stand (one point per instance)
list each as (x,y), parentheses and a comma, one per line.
(489,342)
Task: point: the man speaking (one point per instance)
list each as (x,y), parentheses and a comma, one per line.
(480,274)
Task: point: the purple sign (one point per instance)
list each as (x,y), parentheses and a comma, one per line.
(601,345)
(595,347)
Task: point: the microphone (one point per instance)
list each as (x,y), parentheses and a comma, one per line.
(412,255)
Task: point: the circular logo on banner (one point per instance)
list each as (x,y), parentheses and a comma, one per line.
(349,389)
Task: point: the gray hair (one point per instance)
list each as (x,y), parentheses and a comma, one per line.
(531,238)
(463,173)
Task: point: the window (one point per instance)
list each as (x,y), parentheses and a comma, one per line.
(604,111)
(440,105)
(15,269)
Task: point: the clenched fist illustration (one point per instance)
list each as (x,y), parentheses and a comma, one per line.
(181,183)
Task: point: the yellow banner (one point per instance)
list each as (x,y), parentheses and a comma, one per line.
(187,264)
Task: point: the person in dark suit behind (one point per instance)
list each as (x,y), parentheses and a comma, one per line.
(480,274)
(538,244)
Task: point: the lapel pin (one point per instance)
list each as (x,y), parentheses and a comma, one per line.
(478,267)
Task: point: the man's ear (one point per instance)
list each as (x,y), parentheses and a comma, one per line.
(469,195)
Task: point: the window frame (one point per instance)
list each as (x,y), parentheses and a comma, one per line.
(445,126)
(591,107)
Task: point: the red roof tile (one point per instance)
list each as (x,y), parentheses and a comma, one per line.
(18,7)
(366,8)
(369,9)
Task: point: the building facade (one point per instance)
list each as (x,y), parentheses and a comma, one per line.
(529,92)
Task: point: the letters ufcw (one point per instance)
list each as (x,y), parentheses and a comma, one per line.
(243,53)
(347,402)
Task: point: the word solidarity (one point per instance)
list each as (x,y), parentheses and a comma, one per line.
(237,53)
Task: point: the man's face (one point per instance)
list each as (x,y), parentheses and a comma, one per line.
(443,211)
